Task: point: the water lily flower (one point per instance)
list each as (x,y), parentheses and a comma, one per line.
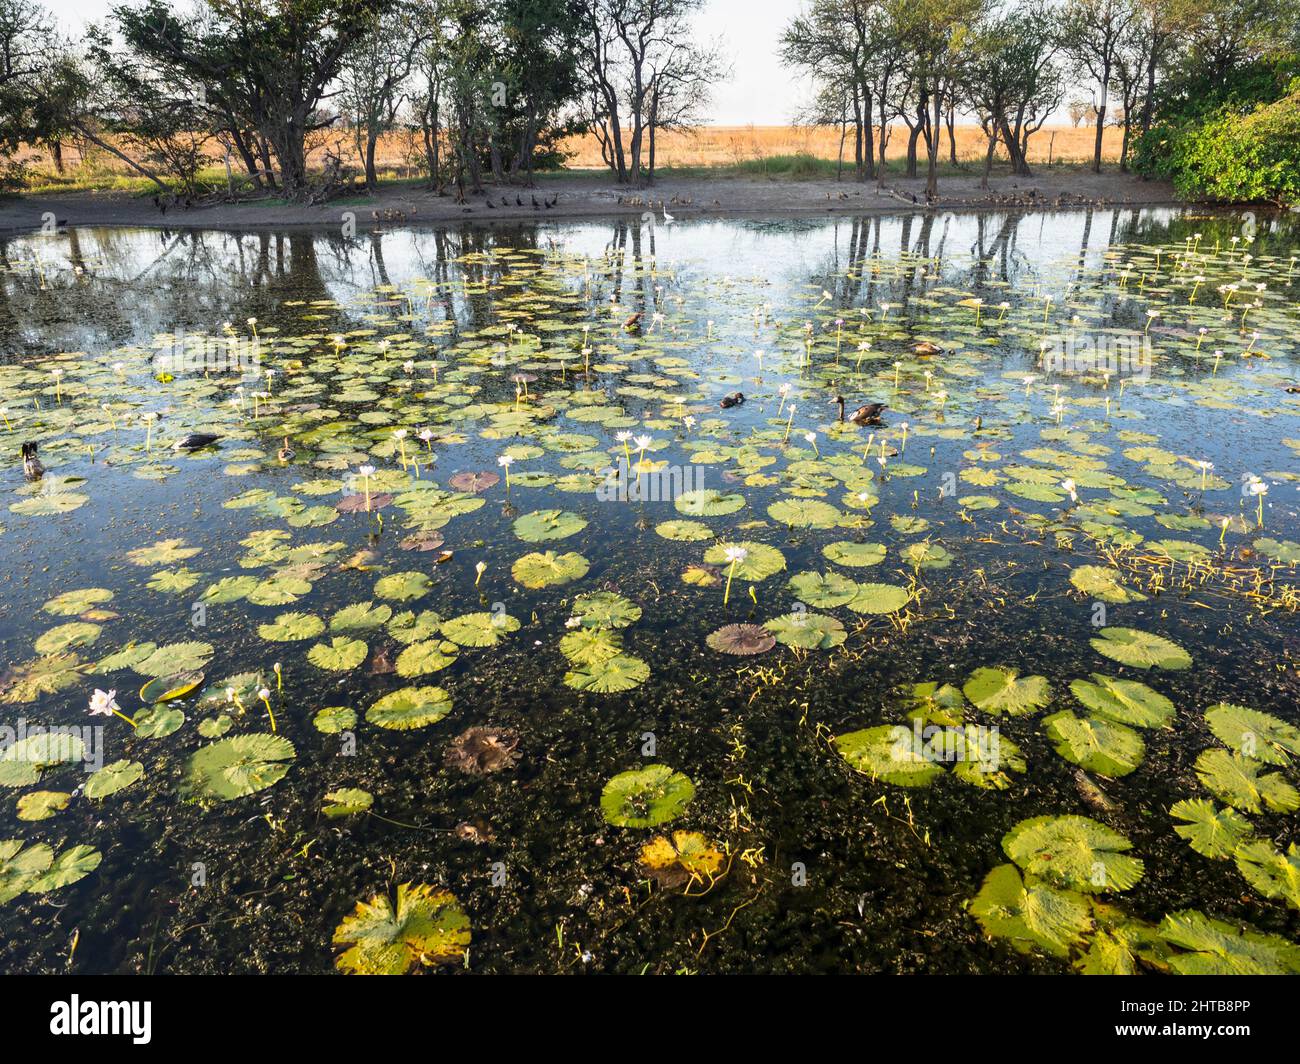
(504,462)
(811,437)
(480,568)
(734,555)
(1068,485)
(104,703)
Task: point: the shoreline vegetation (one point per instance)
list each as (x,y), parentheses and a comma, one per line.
(336,103)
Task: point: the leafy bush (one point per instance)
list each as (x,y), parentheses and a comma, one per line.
(1238,157)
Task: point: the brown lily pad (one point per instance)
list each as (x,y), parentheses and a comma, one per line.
(480,751)
(423,541)
(475,482)
(351,504)
(741,639)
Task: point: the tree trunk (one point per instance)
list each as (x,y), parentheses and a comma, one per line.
(988,159)
(1101,124)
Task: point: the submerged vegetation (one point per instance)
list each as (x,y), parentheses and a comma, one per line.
(485,636)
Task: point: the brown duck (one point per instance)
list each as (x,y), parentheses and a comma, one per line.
(867,414)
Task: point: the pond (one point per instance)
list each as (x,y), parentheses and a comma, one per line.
(537,608)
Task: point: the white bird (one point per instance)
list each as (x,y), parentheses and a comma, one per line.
(668,218)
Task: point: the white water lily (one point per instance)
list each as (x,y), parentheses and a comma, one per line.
(104,703)
(1068,485)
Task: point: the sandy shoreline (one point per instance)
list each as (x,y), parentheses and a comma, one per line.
(577,197)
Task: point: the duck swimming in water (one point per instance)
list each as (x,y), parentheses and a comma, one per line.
(734,399)
(926,348)
(867,414)
(285,454)
(195,441)
(32,467)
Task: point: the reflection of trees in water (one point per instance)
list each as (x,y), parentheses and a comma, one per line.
(98,288)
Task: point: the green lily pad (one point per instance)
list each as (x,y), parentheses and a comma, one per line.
(1073,852)
(1240,783)
(1124,701)
(538,570)
(996,690)
(1253,734)
(424,926)
(409,708)
(1030,914)
(1096,744)
(1209,830)
(1141,650)
(479,629)
(339,654)
(646,797)
(544,525)
(608,675)
(236,767)
(890,753)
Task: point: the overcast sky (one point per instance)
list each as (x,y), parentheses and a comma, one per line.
(760,90)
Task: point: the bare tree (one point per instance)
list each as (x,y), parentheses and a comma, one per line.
(1093,32)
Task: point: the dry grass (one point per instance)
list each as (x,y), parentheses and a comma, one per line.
(724,146)
(719,148)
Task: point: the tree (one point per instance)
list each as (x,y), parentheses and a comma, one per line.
(1094,30)
(268,65)
(373,76)
(625,43)
(26,42)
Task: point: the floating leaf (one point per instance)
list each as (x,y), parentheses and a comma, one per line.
(890,753)
(347,802)
(543,525)
(549,569)
(622,672)
(292,627)
(1096,744)
(479,629)
(1271,872)
(237,767)
(686,857)
(1075,852)
(647,797)
(708,502)
(424,926)
(1032,915)
(1210,831)
(339,654)
(1253,734)
(1124,701)
(1219,948)
(605,609)
(1240,782)
(741,639)
(410,707)
(1000,691)
(41,805)
(1141,650)
(808,631)
(403,587)
(1101,582)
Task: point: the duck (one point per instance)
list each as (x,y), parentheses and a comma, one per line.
(32,467)
(285,453)
(195,441)
(867,414)
(734,399)
(633,320)
(924,347)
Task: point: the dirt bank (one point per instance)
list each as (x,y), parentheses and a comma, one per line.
(581,196)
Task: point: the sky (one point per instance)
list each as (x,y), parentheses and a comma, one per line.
(760,91)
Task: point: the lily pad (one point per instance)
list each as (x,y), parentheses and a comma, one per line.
(647,797)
